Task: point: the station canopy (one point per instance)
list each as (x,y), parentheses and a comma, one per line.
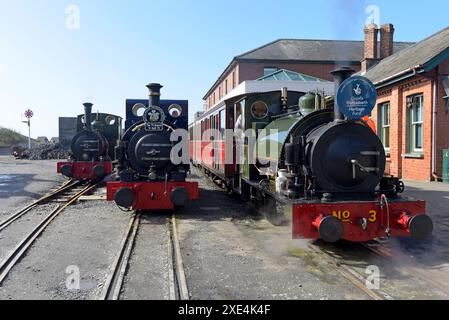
(288,75)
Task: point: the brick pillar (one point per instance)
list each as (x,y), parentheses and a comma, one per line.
(370,54)
(386,40)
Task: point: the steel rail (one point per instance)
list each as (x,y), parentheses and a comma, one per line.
(113,285)
(178,265)
(424,275)
(66,186)
(17,253)
(351,275)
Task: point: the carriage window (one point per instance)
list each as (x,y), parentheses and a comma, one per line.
(222,122)
(259,110)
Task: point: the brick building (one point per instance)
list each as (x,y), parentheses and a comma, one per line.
(412,112)
(316,58)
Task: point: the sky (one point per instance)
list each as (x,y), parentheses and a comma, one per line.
(57,54)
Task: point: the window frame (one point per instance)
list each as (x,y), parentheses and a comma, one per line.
(268,67)
(381,120)
(413,123)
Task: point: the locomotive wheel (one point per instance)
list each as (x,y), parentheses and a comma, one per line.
(67,170)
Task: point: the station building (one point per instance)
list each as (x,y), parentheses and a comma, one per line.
(412,112)
(315,58)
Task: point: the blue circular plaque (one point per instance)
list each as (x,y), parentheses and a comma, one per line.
(356,97)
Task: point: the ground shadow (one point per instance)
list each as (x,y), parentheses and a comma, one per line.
(14,185)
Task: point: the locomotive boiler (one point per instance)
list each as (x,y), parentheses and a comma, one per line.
(148,178)
(326,168)
(89,148)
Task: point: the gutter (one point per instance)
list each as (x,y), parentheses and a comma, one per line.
(392,79)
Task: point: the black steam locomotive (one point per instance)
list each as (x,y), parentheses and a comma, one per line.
(148,179)
(327,168)
(89,149)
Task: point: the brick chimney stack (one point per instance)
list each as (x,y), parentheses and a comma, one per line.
(371,51)
(386,40)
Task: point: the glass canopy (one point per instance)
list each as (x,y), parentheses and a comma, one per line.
(288,75)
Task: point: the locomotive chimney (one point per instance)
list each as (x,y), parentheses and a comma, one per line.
(340,75)
(155,94)
(88,116)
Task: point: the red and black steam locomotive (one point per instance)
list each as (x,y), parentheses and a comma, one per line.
(328,170)
(148,179)
(90,149)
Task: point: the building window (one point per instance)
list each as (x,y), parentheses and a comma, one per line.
(383,120)
(415,112)
(269,70)
(233,80)
(219,93)
(226,86)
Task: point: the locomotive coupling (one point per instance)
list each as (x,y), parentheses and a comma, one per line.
(420,227)
(330,228)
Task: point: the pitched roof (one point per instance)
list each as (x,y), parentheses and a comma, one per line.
(288,75)
(312,50)
(422,57)
(300,50)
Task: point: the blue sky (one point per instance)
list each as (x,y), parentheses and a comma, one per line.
(183,44)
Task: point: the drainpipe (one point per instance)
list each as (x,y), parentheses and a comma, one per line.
(434,125)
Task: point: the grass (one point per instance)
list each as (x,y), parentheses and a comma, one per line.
(10,137)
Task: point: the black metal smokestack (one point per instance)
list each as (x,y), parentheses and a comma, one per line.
(88,116)
(340,75)
(155,94)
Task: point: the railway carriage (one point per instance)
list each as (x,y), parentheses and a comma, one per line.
(326,168)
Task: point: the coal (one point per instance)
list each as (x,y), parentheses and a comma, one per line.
(47,152)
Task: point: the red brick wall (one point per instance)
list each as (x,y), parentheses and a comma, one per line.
(401,165)
(252,71)
(442,117)
(209,100)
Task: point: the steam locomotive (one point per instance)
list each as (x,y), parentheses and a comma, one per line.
(148,179)
(328,170)
(90,148)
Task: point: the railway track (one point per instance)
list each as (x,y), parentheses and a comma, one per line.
(178,289)
(44,199)
(350,274)
(433,277)
(18,252)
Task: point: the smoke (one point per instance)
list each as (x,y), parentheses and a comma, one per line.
(347,22)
